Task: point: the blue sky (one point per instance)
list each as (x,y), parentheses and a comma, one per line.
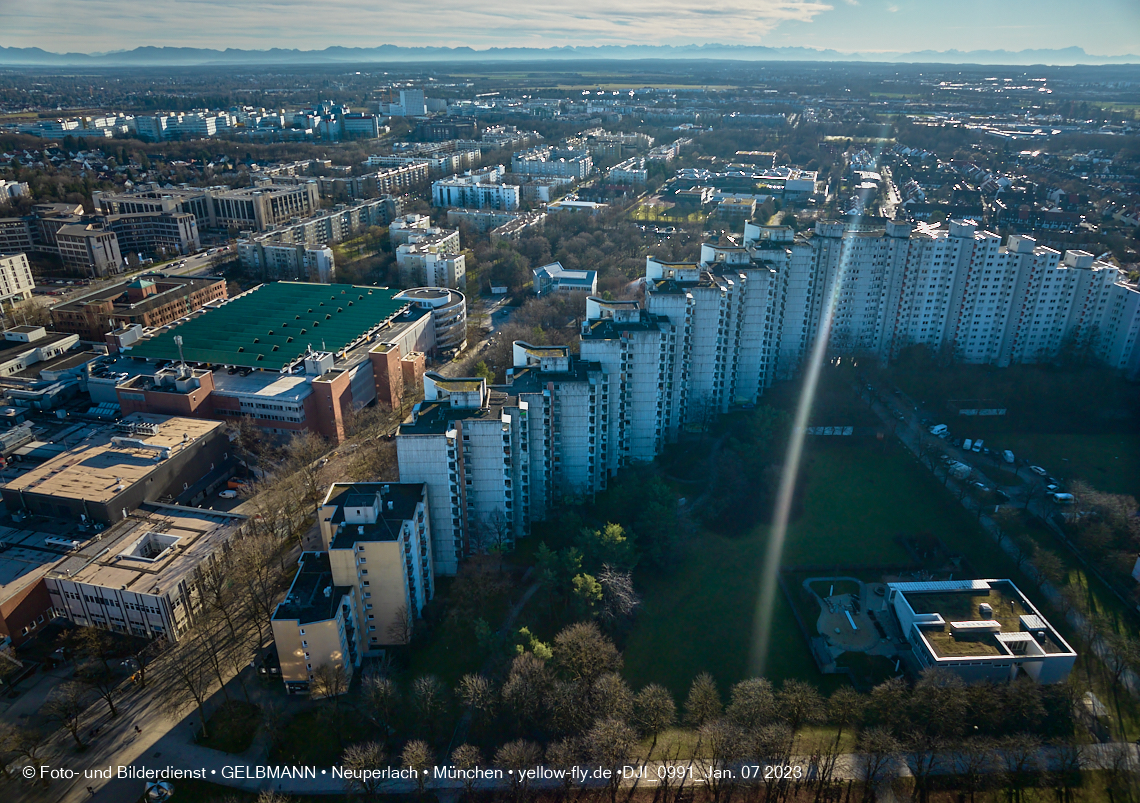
(1102,27)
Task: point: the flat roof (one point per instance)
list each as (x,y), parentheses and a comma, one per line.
(97,470)
(102,563)
(307,600)
(958,603)
(274,325)
(167,286)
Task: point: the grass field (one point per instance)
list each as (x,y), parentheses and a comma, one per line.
(858,497)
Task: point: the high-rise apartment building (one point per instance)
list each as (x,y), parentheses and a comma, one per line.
(716,333)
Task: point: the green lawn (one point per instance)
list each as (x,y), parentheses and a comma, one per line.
(858,497)
(1109,462)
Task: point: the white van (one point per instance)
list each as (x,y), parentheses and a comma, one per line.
(977,445)
(966,444)
(229,493)
(939,430)
(1062,499)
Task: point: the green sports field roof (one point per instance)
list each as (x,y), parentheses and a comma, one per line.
(273,325)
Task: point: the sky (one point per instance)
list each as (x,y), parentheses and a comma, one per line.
(1101,27)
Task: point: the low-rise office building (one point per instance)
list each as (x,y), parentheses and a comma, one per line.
(142,576)
(980,630)
(145,458)
(554,278)
(150,302)
(25,346)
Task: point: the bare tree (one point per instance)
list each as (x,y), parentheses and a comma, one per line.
(752,704)
(1020,755)
(611,697)
(417,757)
(430,701)
(32,745)
(721,744)
(400,628)
(477,694)
(364,759)
(185,679)
(466,758)
(102,683)
(563,756)
(526,688)
(611,743)
(66,705)
(517,757)
(703,703)
(654,712)
(878,752)
(799,703)
(379,695)
(619,600)
(973,759)
(581,652)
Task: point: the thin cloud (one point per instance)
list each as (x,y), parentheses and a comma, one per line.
(77,24)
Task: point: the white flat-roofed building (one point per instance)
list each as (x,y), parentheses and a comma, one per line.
(631,171)
(981,630)
(481,190)
(554,278)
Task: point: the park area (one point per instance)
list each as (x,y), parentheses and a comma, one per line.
(859,495)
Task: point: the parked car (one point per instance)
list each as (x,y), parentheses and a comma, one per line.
(229,493)
(1007,456)
(1062,499)
(977,445)
(1038,470)
(967,444)
(939,430)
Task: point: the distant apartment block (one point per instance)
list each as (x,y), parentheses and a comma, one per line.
(547,161)
(16,283)
(631,171)
(439,164)
(289,261)
(432,259)
(482,190)
(13,189)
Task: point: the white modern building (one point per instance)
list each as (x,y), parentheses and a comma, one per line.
(429,256)
(554,278)
(981,630)
(546,161)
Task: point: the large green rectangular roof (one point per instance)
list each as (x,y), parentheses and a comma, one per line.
(274,324)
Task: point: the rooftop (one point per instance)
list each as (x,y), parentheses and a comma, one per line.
(398,503)
(97,469)
(169,287)
(964,634)
(179,539)
(312,597)
(275,324)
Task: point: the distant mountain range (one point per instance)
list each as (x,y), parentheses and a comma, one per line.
(386,54)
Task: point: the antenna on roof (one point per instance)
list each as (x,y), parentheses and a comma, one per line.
(178,342)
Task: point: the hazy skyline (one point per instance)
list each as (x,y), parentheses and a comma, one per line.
(1101,27)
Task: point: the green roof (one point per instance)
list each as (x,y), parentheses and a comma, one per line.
(274,324)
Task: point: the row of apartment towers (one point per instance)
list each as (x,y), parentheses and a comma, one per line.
(713,334)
